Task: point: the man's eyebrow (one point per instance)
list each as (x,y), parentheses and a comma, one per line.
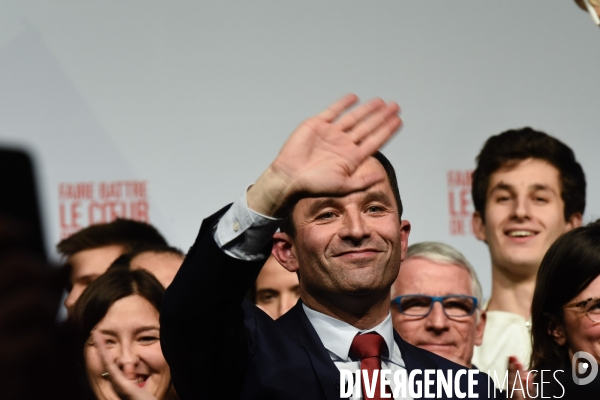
(510,188)
(378,196)
(319,204)
(502,186)
(87,276)
(539,186)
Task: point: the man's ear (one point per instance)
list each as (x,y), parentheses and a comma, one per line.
(480,327)
(284,251)
(478,226)
(404,232)
(557,331)
(574,221)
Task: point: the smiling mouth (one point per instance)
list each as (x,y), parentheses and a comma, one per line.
(141,380)
(520,233)
(357,253)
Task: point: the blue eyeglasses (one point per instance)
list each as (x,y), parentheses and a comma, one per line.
(420,305)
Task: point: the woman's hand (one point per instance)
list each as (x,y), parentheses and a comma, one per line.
(125,388)
(520,381)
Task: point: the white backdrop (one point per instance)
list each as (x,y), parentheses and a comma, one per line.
(190,100)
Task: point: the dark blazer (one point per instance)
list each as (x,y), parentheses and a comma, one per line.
(220,346)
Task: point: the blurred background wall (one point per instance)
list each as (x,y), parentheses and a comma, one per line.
(165,111)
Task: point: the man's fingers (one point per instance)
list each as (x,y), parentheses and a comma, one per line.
(335,109)
(377,139)
(363,182)
(354,117)
(373,122)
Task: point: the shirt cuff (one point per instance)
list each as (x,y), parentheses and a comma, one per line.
(243,233)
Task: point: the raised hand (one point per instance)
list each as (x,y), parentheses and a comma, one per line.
(594,3)
(123,387)
(519,379)
(593,9)
(320,157)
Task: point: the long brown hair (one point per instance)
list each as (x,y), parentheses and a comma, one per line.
(568,267)
(94,303)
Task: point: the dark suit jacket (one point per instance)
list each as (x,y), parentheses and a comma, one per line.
(220,346)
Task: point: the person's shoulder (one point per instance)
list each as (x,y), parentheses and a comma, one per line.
(421,358)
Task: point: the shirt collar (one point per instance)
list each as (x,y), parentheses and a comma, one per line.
(337,336)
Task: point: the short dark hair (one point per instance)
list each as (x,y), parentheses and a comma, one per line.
(123,232)
(513,146)
(158,249)
(569,266)
(287,225)
(124,261)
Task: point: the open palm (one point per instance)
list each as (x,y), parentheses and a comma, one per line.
(321,156)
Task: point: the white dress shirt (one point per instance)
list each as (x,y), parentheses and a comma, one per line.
(337,337)
(243,233)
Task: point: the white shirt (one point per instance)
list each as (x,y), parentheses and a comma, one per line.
(506,334)
(243,234)
(337,337)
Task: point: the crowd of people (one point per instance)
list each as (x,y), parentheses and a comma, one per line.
(319,246)
(310,273)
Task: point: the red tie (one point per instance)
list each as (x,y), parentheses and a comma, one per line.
(368,349)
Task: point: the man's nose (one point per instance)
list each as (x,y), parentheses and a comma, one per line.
(521,210)
(72,298)
(437,320)
(354,226)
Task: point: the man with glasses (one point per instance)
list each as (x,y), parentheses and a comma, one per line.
(436,302)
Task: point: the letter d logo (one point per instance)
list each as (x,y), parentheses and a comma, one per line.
(579,367)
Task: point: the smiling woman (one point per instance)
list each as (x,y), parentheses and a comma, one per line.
(117,330)
(564,314)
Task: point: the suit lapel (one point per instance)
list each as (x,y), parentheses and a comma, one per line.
(413,358)
(295,324)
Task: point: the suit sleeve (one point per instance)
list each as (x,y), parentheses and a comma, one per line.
(203,335)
